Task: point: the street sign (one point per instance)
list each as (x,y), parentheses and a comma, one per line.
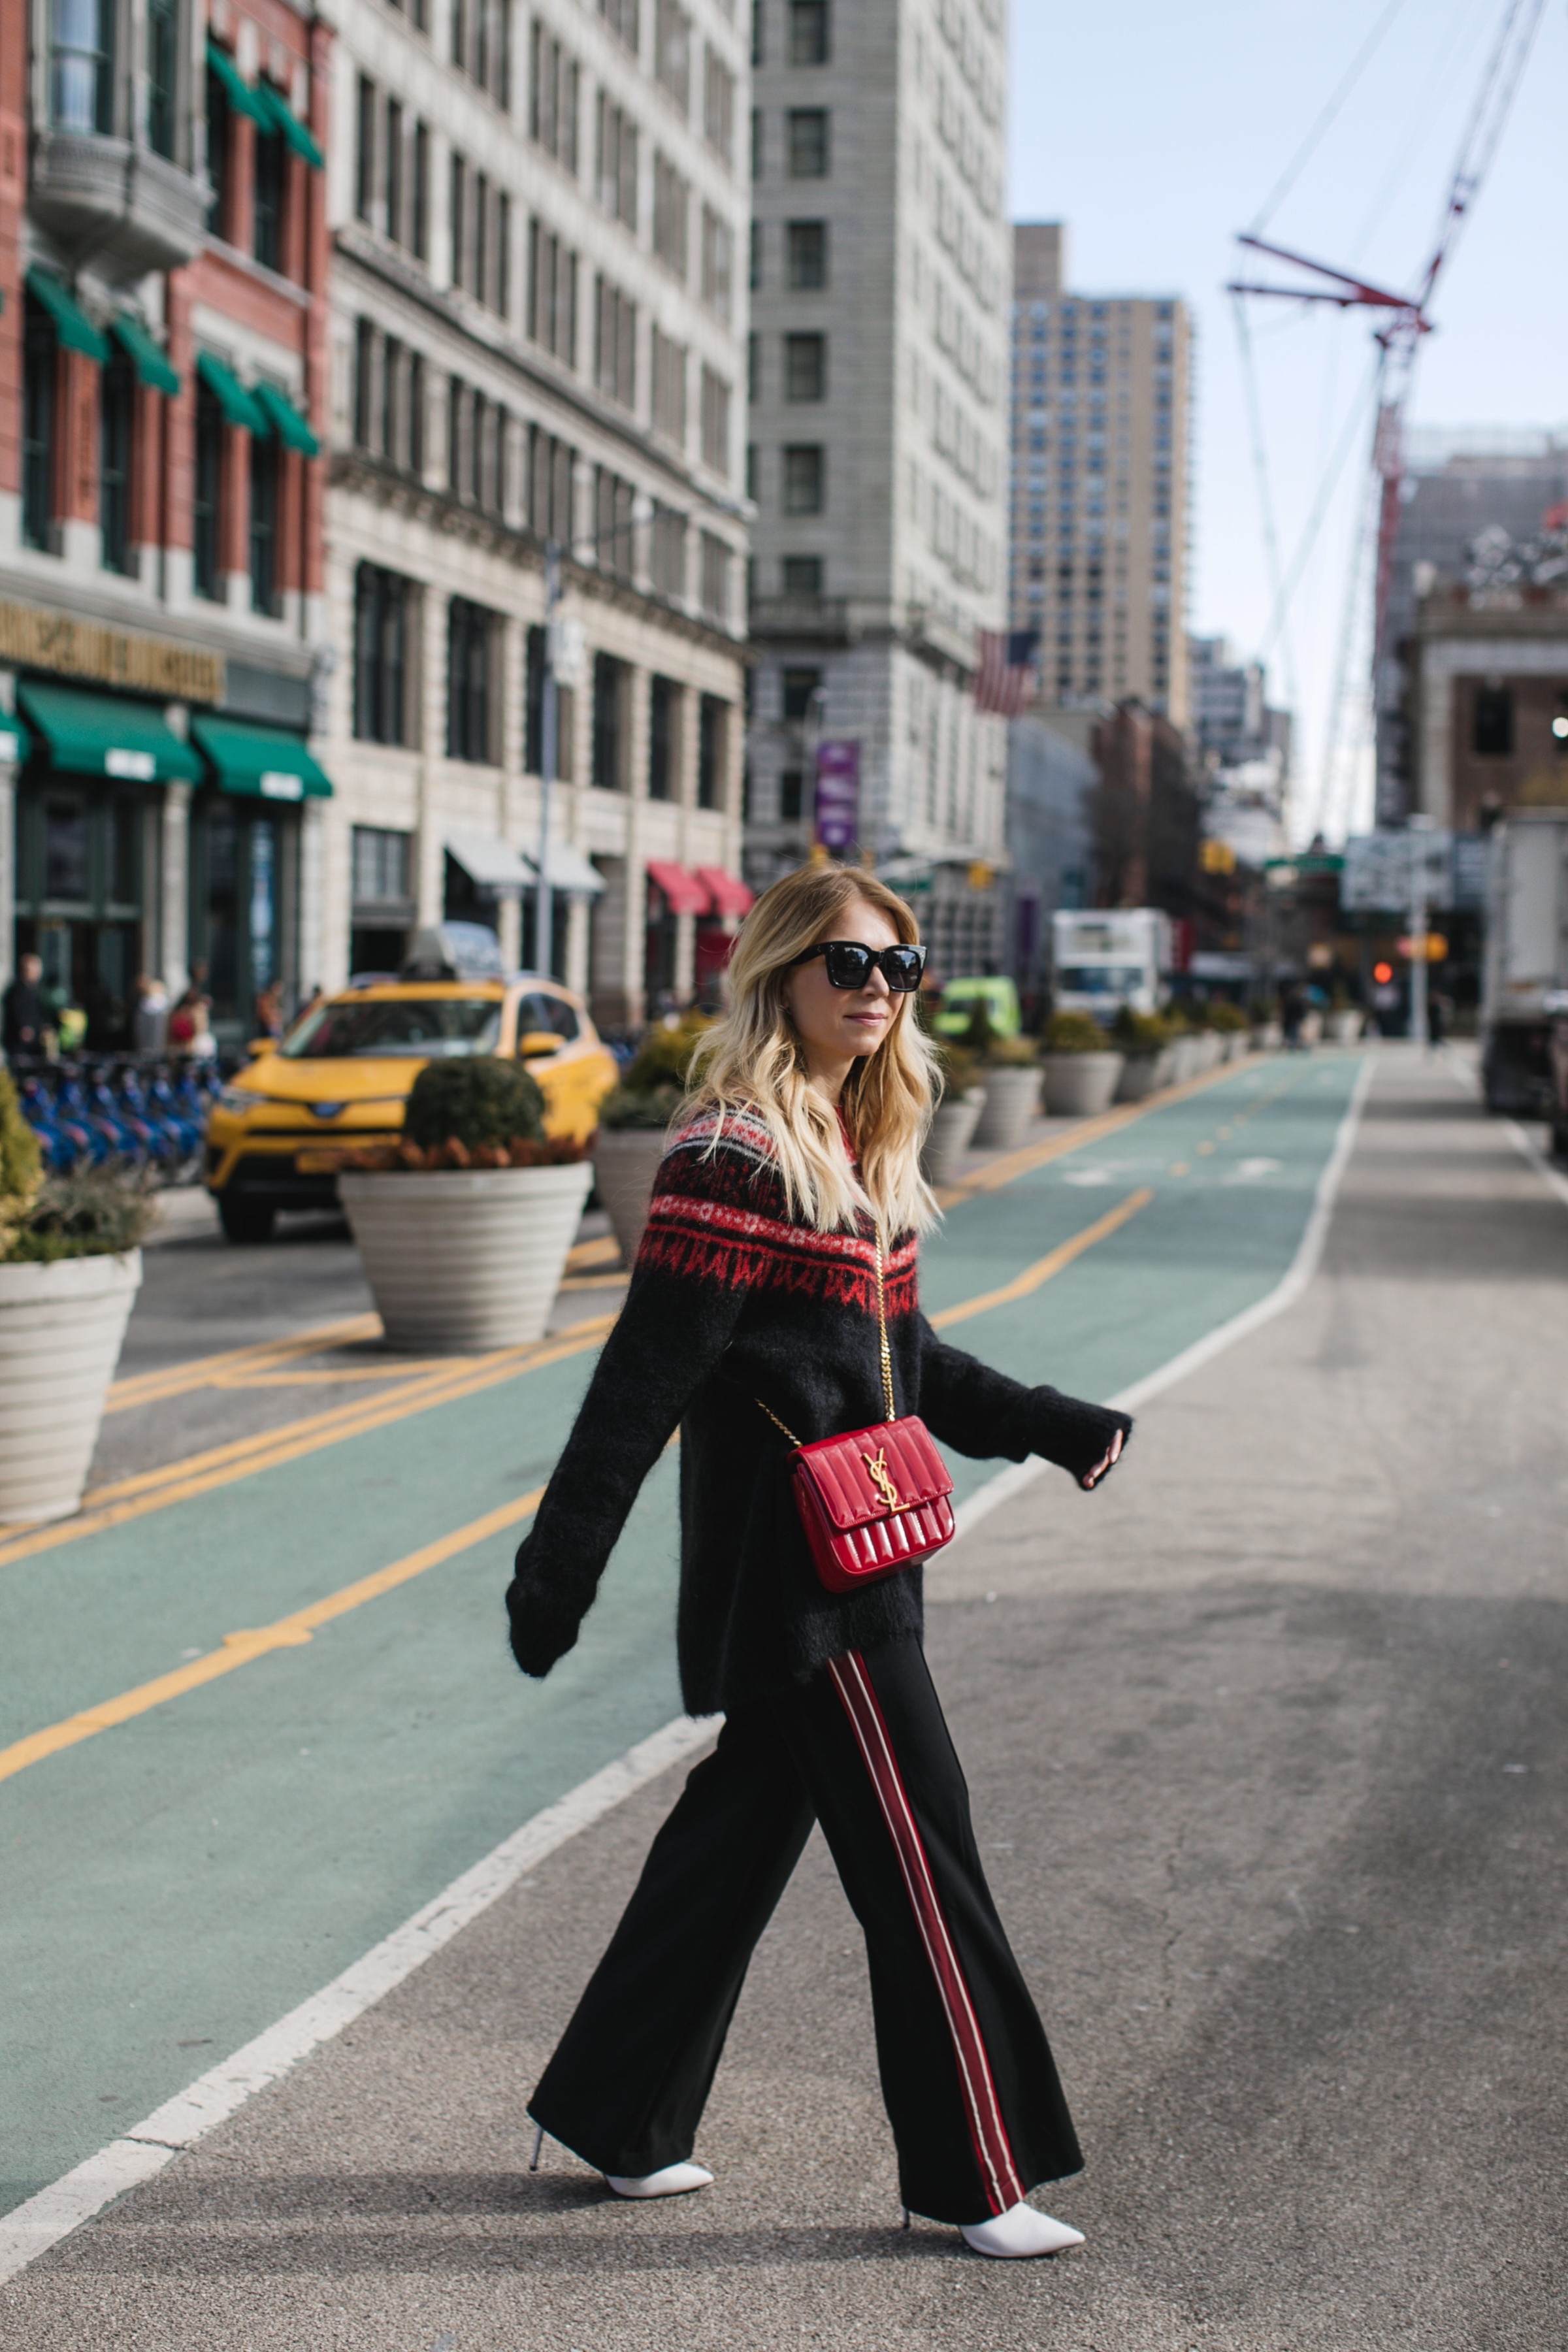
(838,795)
(1381,868)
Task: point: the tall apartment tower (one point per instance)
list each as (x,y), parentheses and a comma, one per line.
(539,314)
(879,268)
(1101,419)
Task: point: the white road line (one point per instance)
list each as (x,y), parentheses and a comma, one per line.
(1553,1178)
(31,2229)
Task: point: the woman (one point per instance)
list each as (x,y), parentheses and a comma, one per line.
(789,1199)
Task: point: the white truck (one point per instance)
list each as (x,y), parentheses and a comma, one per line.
(1104,960)
(1524,971)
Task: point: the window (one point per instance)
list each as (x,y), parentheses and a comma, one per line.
(364,157)
(81,64)
(551,466)
(1492,736)
(621,15)
(39,368)
(753,367)
(267,199)
(607,732)
(457,218)
(669,388)
(711,731)
(801,575)
(661,701)
(419,226)
(753,472)
(614,344)
(759,43)
(754,267)
(716,562)
(481,45)
(715,422)
(382,864)
(673,50)
(394,193)
(617,162)
(805,474)
(469,632)
(552,293)
(670,207)
(757,143)
(799,687)
(553,100)
(116,414)
(805,254)
(717,249)
(792,793)
(219,156)
(207,495)
(807,143)
(719,107)
(614,547)
(364,385)
(805,367)
(162,74)
(500,292)
(264,596)
(383,612)
(808,32)
(668,567)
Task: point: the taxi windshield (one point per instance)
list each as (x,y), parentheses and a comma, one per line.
(438,1027)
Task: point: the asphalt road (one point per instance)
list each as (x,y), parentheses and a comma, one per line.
(1268,1764)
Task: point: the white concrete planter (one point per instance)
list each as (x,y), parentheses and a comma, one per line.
(1269,1036)
(60,1331)
(1080,1084)
(1234,1043)
(465,1258)
(1345,1026)
(1012,1100)
(1313,1028)
(1211,1050)
(626,1161)
(1185,1061)
(951,1132)
(1145,1074)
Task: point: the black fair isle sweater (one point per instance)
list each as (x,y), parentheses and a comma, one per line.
(733,1299)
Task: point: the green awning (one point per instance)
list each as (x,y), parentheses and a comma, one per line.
(149,359)
(72,325)
(260,762)
(108,735)
(292,428)
(236,90)
(279,115)
(16,742)
(240,406)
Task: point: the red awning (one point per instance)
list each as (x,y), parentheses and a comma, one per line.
(684,894)
(728,893)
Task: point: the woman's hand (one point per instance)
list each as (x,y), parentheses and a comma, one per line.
(1107,1461)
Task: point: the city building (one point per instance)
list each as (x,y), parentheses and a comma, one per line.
(1100,420)
(1245,747)
(1459,485)
(879,267)
(539,315)
(163,400)
(1050,840)
(1486,688)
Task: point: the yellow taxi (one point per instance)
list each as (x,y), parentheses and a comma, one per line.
(343,1074)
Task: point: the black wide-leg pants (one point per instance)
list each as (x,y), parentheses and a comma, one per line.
(970,2085)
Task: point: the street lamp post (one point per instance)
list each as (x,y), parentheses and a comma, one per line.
(542,915)
(1419,1029)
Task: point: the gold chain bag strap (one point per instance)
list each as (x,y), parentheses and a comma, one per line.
(874,1500)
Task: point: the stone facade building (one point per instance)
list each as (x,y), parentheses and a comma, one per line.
(539,311)
(1100,517)
(880,269)
(163,400)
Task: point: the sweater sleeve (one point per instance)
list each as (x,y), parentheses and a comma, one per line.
(680,1315)
(985,1413)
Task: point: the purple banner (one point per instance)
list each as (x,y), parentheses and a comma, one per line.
(838,795)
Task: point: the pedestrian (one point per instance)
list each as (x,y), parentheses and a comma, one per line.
(269,1010)
(23,1016)
(190,1025)
(1292,1012)
(774,1300)
(151,1020)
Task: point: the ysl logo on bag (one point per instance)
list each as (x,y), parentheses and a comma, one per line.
(882,1477)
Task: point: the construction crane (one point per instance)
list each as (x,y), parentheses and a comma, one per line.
(1406,316)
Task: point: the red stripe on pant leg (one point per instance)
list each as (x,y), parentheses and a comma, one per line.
(992,2149)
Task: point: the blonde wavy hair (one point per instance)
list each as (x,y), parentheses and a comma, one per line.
(752,1060)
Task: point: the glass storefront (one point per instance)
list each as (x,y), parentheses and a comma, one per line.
(80,863)
(244,878)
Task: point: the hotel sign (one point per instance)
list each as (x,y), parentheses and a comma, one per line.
(53,641)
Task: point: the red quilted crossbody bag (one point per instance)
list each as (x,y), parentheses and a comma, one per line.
(874,1500)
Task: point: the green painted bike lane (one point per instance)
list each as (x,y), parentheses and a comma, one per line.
(175,1884)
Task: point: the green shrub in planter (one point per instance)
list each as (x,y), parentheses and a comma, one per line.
(959,1068)
(1013,1053)
(1076,1032)
(1141,1032)
(96,1214)
(21,1164)
(655,1085)
(477,1101)
(1227,1018)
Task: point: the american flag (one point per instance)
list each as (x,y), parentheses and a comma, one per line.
(1006,681)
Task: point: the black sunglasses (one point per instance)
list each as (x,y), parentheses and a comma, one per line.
(850,964)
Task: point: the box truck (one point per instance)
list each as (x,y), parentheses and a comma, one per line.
(1103,961)
(1525,963)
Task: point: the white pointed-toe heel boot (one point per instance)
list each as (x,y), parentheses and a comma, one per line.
(1018,2234)
(674,2180)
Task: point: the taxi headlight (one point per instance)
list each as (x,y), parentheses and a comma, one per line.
(240,1098)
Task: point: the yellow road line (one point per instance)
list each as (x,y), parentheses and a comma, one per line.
(1043,1268)
(239,1649)
(132,1498)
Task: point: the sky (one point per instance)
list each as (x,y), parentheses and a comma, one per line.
(1157,130)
